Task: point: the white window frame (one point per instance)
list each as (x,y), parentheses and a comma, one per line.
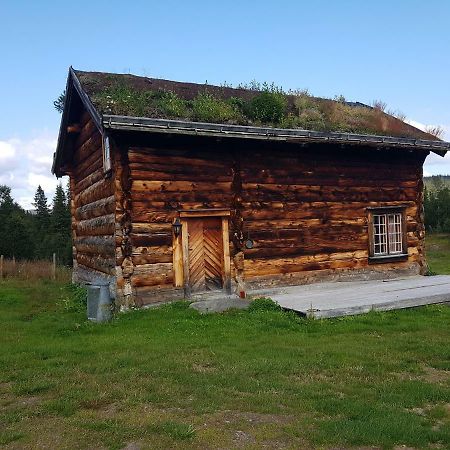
(387,233)
(106,149)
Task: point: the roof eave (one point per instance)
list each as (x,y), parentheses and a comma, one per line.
(72,83)
(145,124)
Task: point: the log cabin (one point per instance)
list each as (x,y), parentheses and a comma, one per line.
(180,189)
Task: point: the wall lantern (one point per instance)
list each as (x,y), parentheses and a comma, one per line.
(177,227)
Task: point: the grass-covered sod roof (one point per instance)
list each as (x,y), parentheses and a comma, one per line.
(254,104)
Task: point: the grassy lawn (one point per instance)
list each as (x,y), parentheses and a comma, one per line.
(438,252)
(171,378)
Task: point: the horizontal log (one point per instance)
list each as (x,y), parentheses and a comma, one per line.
(310,159)
(180,198)
(305,223)
(96,166)
(151,240)
(92,144)
(297,264)
(144,210)
(152,274)
(148,295)
(299,193)
(100,190)
(186,173)
(141,214)
(276,210)
(152,255)
(103,225)
(84,183)
(99,245)
(98,208)
(305,172)
(90,163)
(105,265)
(207,161)
(179,186)
(84,274)
(142,227)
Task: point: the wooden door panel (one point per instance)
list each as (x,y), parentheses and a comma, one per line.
(205,254)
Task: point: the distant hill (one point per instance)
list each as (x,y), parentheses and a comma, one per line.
(437,181)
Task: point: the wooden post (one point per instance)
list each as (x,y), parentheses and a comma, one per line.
(178,261)
(1,267)
(185,250)
(54,267)
(14,266)
(226,256)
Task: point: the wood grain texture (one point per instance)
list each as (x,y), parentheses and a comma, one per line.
(304,209)
(205,254)
(92,207)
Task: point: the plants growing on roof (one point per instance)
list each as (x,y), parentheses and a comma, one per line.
(171,105)
(435,130)
(266,105)
(207,108)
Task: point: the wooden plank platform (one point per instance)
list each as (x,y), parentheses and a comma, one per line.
(357,297)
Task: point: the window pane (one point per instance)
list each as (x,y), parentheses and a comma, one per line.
(380,234)
(395,233)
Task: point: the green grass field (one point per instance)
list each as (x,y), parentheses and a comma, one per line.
(438,252)
(171,378)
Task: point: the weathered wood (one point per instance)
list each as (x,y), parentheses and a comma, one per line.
(178,260)
(226,256)
(99,263)
(150,240)
(99,190)
(99,226)
(205,213)
(98,208)
(152,274)
(303,208)
(101,245)
(185,247)
(151,255)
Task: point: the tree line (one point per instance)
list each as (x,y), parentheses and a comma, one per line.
(437,204)
(38,233)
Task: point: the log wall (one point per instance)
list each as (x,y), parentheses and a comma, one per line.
(93,209)
(164,181)
(306,211)
(303,207)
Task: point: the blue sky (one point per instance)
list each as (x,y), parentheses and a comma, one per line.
(393,51)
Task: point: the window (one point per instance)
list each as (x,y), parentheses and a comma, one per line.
(106,155)
(387,233)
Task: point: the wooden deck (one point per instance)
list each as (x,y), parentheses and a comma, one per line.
(357,297)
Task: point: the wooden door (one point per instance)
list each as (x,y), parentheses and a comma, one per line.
(206,254)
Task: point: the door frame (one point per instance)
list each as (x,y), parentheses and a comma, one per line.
(187,214)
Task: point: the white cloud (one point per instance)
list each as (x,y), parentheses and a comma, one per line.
(25,164)
(7,150)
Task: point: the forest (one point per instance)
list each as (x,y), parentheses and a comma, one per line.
(437,204)
(37,234)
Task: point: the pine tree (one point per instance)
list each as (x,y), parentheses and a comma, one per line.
(42,209)
(41,220)
(15,230)
(60,226)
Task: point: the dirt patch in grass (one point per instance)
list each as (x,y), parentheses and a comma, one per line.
(433,375)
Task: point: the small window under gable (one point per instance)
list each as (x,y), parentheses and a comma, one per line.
(106,155)
(387,234)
